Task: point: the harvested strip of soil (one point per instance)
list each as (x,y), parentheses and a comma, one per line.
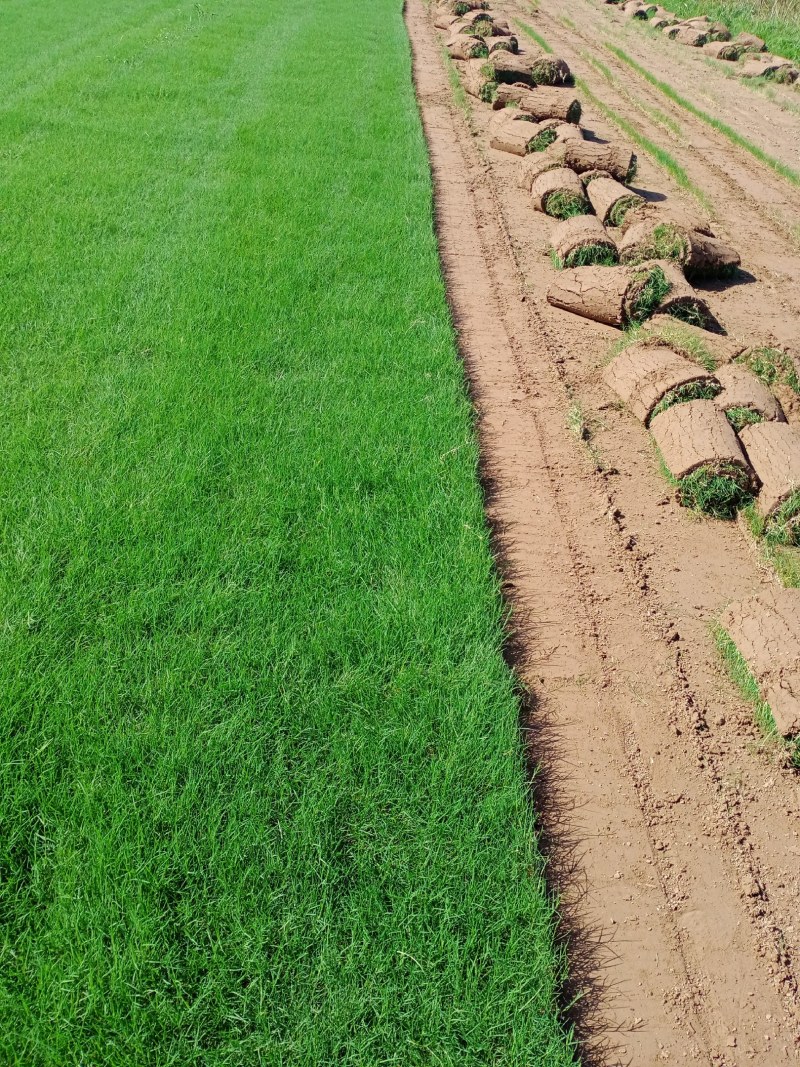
(743,391)
(616,296)
(773,449)
(766,631)
(642,375)
(582,241)
(590,156)
(559,193)
(611,200)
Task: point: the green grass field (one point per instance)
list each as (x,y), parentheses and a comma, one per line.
(263,798)
(777,22)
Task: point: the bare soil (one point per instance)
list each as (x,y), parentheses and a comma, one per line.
(671,825)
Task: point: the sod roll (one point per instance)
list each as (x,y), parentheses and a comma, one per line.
(446,20)
(582,241)
(656,237)
(687,35)
(743,392)
(775,67)
(592,156)
(542,102)
(478,80)
(507,44)
(518,136)
(773,449)
(709,349)
(694,435)
(642,375)
(766,631)
(507,68)
(611,200)
(681,301)
(750,43)
(723,50)
(617,296)
(465,47)
(559,193)
(550,70)
(539,163)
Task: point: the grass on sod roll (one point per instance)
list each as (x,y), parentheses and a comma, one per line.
(651,288)
(745,682)
(672,334)
(616,215)
(541,141)
(727,131)
(682,394)
(587,255)
(741,417)
(665,242)
(719,491)
(563,205)
(263,793)
(772,366)
(481,28)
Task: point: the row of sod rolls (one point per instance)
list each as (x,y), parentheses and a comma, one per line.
(715,39)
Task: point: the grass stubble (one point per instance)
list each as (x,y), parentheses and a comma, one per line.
(263,792)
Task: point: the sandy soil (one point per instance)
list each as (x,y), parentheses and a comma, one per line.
(671,827)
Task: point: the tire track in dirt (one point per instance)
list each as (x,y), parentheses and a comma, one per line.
(588,622)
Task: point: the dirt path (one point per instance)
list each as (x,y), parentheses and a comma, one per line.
(672,830)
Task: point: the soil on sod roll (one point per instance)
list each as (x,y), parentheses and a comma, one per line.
(702,453)
(642,375)
(681,301)
(505,44)
(773,449)
(542,102)
(617,296)
(750,43)
(743,392)
(582,241)
(687,35)
(766,632)
(463,47)
(550,70)
(617,161)
(478,80)
(559,193)
(700,256)
(505,67)
(612,201)
(513,132)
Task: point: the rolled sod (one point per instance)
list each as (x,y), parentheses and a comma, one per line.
(542,102)
(775,67)
(582,241)
(464,47)
(700,256)
(750,43)
(514,133)
(773,449)
(446,20)
(718,31)
(702,453)
(709,349)
(687,35)
(743,393)
(723,50)
(559,193)
(505,44)
(644,375)
(611,200)
(507,68)
(479,80)
(591,156)
(681,301)
(766,632)
(617,296)
(539,163)
(550,70)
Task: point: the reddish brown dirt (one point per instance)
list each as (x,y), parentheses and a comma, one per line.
(671,827)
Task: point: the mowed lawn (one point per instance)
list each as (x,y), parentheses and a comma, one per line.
(262,797)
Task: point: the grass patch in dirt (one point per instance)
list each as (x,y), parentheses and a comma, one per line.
(784,559)
(682,394)
(736,138)
(742,677)
(658,154)
(529,31)
(772,366)
(460,95)
(264,797)
(653,286)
